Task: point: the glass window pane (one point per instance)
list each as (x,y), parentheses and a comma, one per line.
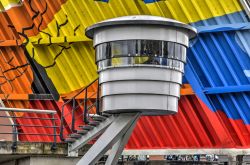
(130,61)
(144,52)
(184,54)
(171,50)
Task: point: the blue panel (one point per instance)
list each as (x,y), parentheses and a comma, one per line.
(192,78)
(218,66)
(237,17)
(227,89)
(223,27)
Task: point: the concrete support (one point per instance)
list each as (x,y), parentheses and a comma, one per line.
(42,160)
(28,148)
(222,151)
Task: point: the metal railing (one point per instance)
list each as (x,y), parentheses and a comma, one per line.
(82,106)
(17,117)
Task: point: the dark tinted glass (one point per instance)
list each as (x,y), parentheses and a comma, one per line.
(140,52)
(133,61)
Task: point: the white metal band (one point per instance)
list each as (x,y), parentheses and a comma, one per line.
(141,33)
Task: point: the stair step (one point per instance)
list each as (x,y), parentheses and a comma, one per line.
(75,135)
(70,140)
(86,127)
(106,114)
(99,118)
(82,132)
(94,123)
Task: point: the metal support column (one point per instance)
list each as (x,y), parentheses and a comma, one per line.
(53,147)
(117,149)
(117,133)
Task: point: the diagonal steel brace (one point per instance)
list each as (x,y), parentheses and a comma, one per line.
(117,133)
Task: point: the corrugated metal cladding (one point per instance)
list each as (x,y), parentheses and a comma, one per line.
(69,62)
(47,132)
(220,63)
(51,34)
(194,126)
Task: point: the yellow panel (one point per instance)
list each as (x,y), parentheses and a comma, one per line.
(72,66)
(190,11)
(9,3)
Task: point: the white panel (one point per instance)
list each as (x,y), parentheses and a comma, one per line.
(147,104)
(140,73)
(139,33)
(182,37)
(140,87)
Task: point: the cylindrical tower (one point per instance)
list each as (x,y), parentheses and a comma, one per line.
(140,62)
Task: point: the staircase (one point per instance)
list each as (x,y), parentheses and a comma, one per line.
(86,133)
(81,120)
(83,130)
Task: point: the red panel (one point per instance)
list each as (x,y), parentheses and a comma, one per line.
(194,126)
(47,105)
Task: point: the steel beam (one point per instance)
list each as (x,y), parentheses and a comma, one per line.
(228,89)
(112,134)
(119,145)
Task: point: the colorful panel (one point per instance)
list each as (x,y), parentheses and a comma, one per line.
(62,48)
(51,33)
(194,126)
(217,67)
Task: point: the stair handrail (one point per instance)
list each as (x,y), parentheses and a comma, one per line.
(74,107)
(12,115)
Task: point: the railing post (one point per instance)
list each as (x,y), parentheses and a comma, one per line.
(86,107)
(62,124)
(53,147)
(15,133)
(97,98)
(73,116)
